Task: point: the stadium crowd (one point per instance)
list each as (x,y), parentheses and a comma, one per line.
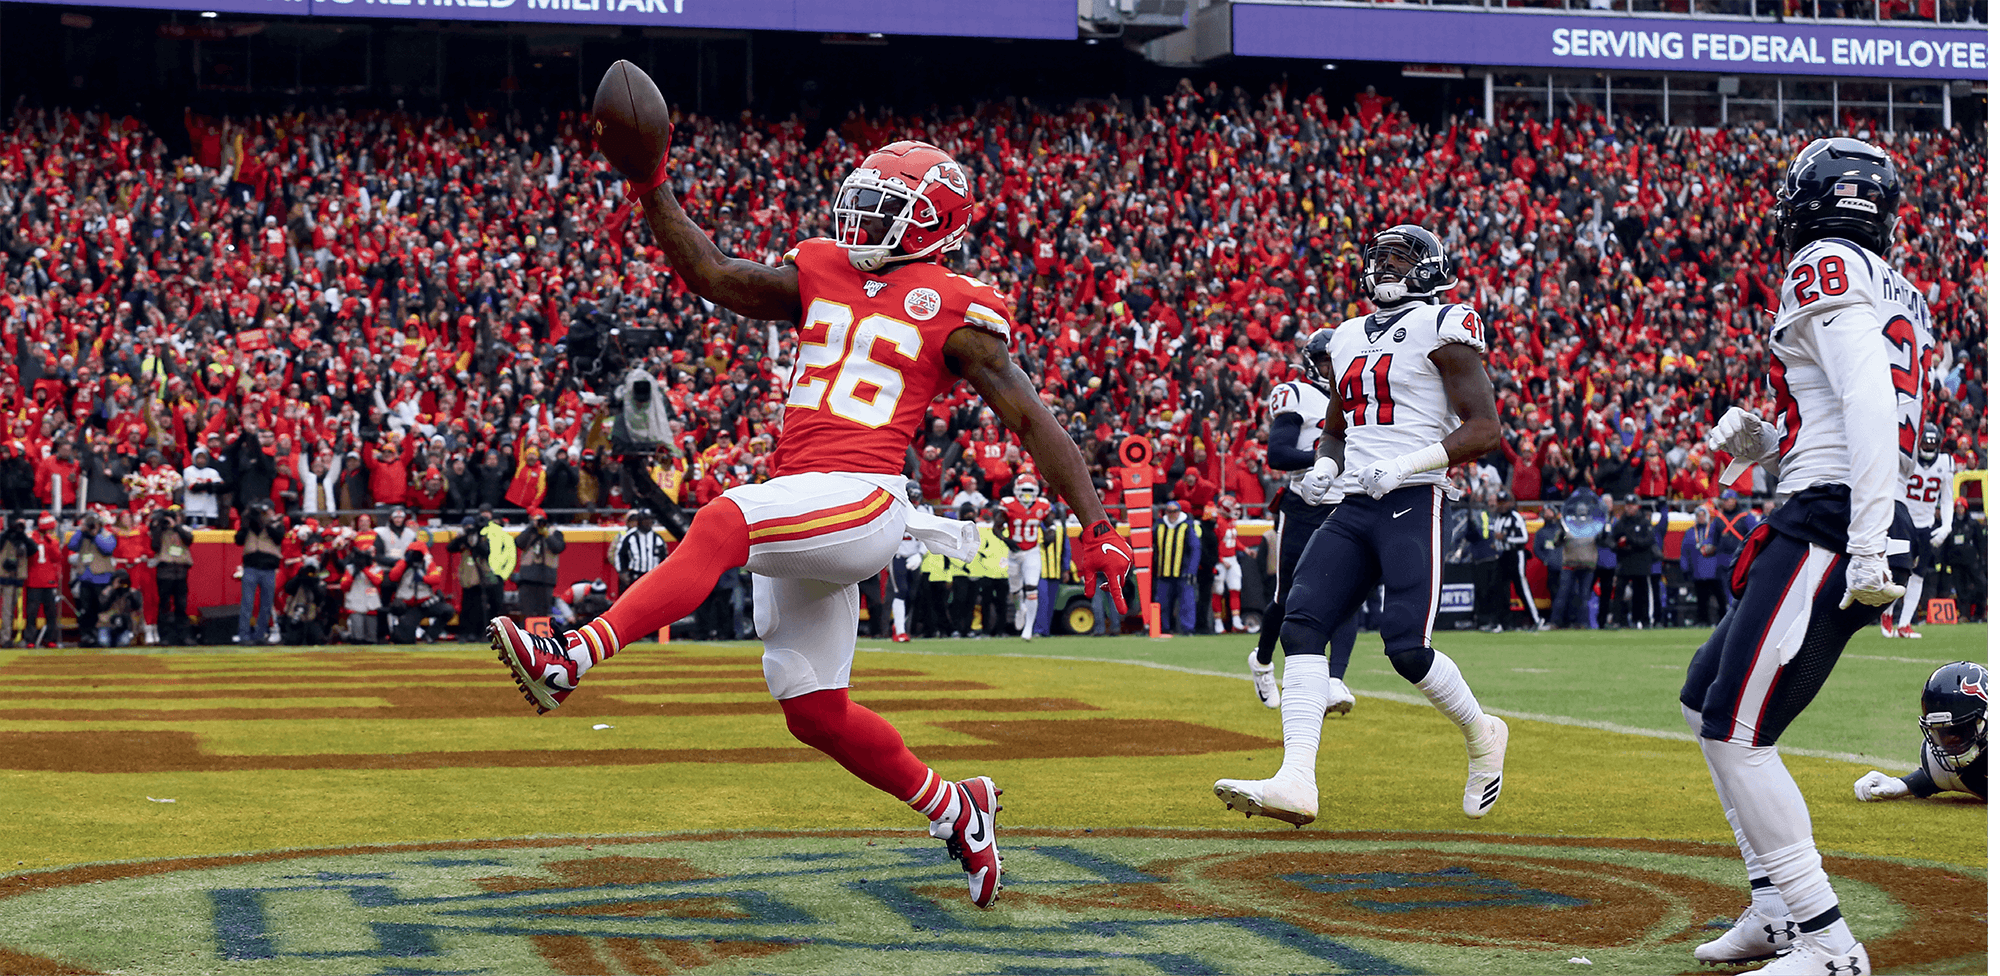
(338,312)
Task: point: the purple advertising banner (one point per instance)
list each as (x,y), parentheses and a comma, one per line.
(1055,19)
(1430,36)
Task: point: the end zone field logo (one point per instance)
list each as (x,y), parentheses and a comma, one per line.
(1076,902)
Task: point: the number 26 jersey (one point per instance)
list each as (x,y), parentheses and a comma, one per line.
(871,357)
(1387,388)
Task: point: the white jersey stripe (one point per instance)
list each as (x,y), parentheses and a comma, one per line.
(1783,634)
(1437,560)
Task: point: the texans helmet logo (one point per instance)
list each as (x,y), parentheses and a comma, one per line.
(1976,689)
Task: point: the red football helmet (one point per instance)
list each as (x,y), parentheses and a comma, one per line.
(922,193)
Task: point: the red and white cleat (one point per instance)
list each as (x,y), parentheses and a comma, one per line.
(542,667)
(901,638)
(967,831)
(1908,631)
(1888,625)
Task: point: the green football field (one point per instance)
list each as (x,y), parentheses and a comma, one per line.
(401,810)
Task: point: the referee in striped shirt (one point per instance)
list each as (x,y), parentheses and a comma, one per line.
(638,550)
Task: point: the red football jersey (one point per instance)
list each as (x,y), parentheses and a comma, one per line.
(871,357)
(1225,537)
(1024,522)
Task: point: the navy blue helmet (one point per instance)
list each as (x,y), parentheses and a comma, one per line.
(1954,721)
(1407,263)
(1839,188)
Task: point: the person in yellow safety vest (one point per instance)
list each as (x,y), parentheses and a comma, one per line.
(1055,568)
(934,607)
(989,576)
(1176,554)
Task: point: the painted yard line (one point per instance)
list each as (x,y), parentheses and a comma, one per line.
(1897,660)
(1581,723)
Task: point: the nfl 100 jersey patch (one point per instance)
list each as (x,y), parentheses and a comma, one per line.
(1391,394)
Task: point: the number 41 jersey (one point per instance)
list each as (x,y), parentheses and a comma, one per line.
(871,357)
(1841,311)
(1389,390)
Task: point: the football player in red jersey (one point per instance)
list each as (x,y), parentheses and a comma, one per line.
(883,329)
(1228,572)
(1026,511)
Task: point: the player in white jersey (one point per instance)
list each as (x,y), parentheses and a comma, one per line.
(1298,412)
(1847,354)
(1924,495)
(1411,398)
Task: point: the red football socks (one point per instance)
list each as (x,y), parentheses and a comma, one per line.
(866,744)
(717,541)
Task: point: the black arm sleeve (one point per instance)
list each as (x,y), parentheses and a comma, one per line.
(1920,783)
(1283,454)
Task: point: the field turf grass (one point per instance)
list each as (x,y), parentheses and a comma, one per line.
(1106,748)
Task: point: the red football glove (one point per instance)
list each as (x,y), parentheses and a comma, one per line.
(1100,549)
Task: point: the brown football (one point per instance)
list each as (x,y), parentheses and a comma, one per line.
(629,121)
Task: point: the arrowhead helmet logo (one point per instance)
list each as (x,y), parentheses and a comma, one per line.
(874,287)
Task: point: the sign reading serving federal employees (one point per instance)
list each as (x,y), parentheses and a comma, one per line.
(1562,41)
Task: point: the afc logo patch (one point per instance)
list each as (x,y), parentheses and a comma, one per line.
(922,303)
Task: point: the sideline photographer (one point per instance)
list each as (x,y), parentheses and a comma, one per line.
(93,543)
(173,554)
(416,602)
(15,550)
(262,537)
(310,609)
(538,551)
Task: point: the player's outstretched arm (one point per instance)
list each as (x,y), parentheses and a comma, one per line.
(982,359)
(1320,486)
(745,287)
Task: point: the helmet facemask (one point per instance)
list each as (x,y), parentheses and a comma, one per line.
(866,195)
(1955,742)
(1398,269)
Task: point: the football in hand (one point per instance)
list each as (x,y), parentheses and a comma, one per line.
(629,121)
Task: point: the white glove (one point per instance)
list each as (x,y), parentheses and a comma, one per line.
(1879,786)
(1383,477)
(913,560)
(1868,581)
(1320,486)
(1743,434)
(1939,533)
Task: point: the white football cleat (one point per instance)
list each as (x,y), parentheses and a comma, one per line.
(1754,936)
(1281,797)
(1264,678)
(1339,698)
(1486,754)
(1808,958)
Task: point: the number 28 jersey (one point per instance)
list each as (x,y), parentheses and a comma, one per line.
(1849,329)
(1389,390)
(871,357)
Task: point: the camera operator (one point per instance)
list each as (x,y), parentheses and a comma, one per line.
(173,553)
(538,551)
(359,577)
(486,560)
(93,543)
(15,550)
(414,580)
(262,537)
(309,607)
(122,614)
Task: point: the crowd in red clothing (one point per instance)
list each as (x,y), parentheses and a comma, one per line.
(344,312)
